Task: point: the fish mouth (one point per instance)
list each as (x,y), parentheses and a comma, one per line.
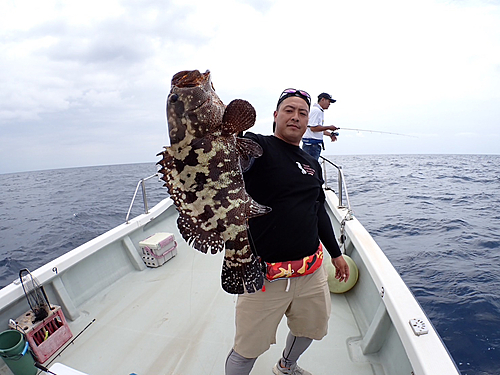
(190,78)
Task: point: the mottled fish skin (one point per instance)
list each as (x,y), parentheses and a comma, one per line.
(202,172)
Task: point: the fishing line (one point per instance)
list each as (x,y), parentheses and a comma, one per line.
(191,286)
(377,131)
(253,249)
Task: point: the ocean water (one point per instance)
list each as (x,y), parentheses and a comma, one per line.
(436,217)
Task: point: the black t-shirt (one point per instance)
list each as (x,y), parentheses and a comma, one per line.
(288,180)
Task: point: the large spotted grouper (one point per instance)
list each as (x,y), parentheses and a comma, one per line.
(202,171)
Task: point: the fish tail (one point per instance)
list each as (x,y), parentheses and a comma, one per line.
(236,279)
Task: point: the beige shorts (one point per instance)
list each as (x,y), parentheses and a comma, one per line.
(307,306)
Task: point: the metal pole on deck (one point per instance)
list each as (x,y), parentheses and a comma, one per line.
(339,192)
(146,209)
(325,178)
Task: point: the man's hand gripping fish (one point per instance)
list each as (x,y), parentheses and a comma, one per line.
(202,171)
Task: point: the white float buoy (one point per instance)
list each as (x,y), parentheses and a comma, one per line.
(336,286)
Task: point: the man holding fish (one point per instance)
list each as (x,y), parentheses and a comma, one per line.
(202,169)
(287,240)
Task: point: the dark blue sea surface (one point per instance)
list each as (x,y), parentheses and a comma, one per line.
(436,217)
(45,214)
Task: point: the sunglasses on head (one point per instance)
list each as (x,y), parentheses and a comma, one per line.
(293,92)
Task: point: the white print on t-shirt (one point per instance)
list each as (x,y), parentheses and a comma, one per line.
(300,167)
(306,169)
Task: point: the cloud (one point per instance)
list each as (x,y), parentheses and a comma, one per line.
(92,77)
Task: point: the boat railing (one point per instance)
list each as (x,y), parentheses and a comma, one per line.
(141,183)
(341,192)
(342,187)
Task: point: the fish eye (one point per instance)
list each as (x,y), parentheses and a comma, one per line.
(173,98)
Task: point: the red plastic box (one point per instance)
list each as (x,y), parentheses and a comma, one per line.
(47,336)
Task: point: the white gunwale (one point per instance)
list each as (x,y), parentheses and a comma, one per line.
(176,319)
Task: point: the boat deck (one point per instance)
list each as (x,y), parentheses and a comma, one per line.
(176,319)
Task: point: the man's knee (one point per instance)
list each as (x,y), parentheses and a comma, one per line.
(236,364)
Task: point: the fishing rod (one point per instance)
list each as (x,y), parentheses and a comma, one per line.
(377,131)
(43,368)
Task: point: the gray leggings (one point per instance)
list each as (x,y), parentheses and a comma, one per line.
(236,364)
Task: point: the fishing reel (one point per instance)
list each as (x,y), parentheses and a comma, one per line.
(332,134)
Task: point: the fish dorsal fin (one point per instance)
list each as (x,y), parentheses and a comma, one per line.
(239,116)
(254,209)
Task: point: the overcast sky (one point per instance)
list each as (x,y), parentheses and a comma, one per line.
(85,83)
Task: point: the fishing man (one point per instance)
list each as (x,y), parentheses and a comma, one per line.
(312,143)
(288,180)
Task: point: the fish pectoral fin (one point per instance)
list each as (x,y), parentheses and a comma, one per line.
(254,209)
(239,116)
(248,151)
(248,148)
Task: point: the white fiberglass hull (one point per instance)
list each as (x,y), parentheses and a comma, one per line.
(176,319)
